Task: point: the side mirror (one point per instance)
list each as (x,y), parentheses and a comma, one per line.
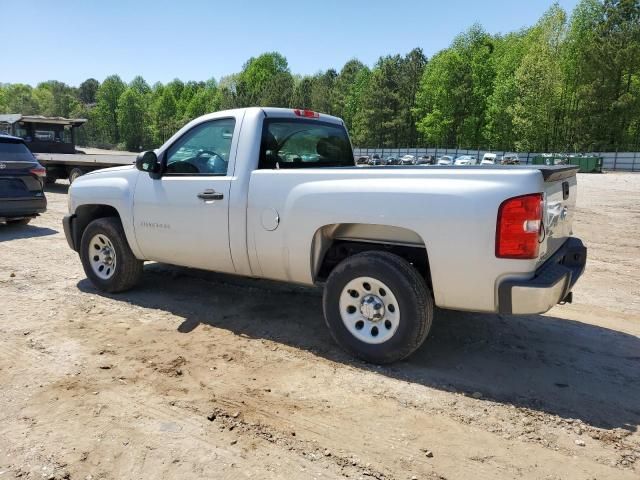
(148,162)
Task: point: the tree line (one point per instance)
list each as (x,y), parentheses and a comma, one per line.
(567,83)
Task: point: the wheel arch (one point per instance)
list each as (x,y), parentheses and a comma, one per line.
(334,242)
(85,214)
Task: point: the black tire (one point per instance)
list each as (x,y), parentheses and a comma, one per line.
(412,295)
(74,174)
(128,269)
(19,221)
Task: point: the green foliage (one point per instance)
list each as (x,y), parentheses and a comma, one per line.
(379,116)
(140,85)
(344,91)
(19,98)
(302,93)
(322,89)
(559,85)
(63,99)
(539,85)
(107,106)
(506,58)
(384,100)
(566,83)
(206,100)
(87,91)
(131,118)
(165,112)
(353,99)
(264,81)
(452,100)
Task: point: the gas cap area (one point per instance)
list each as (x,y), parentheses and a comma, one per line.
(270,219)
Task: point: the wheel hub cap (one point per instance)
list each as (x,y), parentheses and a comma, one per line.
(372,308)
(106,255)
(102,256)
(369,310)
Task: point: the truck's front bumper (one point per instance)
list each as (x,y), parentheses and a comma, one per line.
(69,226)
(550,285)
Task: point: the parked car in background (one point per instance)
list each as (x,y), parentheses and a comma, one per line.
(21,182)
(426,160)
(488,159)
(466,160)
(408,160)
(363,160)
(377,160)
(392,160)
(510,159)
(445,160)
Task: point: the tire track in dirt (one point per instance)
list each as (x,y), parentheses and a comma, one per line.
(47,400)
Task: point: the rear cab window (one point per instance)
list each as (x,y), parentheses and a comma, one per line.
(14,151)
(304,143)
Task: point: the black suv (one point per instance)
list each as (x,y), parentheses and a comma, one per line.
(21,182)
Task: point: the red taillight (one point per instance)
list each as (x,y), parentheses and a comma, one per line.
(519,221)
(306,113)
(39,171)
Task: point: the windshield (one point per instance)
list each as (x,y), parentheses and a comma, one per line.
(15,152)
(299,143)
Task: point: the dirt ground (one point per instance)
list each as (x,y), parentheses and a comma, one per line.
(199,376)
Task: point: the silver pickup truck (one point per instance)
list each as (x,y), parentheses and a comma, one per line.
(275,193)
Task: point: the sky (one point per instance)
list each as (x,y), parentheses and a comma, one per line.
(72,40)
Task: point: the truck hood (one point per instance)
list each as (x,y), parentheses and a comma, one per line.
(105,176)
(107,172)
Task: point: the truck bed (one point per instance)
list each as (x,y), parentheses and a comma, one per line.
(550,173)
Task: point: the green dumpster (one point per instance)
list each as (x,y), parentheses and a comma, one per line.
(586,164)
(549,160)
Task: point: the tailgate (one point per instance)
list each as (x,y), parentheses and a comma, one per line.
(560,190)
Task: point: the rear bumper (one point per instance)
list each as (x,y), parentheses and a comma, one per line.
(550,285)
(69,227)
(22,207)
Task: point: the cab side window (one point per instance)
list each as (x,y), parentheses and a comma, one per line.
(203,150)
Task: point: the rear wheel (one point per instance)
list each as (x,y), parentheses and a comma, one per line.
(106,257)
(74,174)
(19,221)
(377,307)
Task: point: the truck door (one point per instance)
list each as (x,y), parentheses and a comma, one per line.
(182,218)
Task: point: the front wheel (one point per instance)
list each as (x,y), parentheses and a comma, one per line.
(377,307)
(106,257)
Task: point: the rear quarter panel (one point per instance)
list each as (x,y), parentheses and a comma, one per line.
(453,211)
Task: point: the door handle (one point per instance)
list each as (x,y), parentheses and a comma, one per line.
(210,194)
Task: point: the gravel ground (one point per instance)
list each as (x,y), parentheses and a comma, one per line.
(195,375)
